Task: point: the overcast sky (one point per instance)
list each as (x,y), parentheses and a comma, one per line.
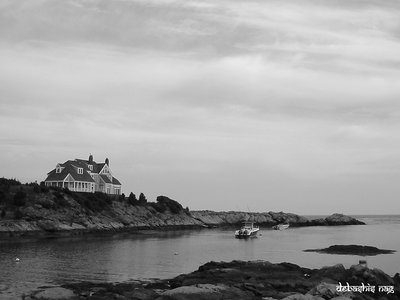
(263,105)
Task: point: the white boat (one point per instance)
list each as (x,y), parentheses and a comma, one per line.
(281,226)
(247,230)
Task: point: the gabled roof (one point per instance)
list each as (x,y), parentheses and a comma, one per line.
(97,167)
(105,178)
(71,167)
(116,181)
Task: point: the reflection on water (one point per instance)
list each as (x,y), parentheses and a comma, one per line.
(167,254)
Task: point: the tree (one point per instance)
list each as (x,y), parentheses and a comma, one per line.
(132,199)
(142,199)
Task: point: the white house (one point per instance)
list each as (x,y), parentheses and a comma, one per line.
(81,175)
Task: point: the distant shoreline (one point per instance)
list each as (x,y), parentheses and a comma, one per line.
(31,210)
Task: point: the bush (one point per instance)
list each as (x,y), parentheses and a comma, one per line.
(9,182)
(167,203)
(94,201)
(18,214)
(3,197)
(43,187)
(158,207)
(67,191)
(36,188)
(61,202)
(20,198)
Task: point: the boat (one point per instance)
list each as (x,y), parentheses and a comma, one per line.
(248,229)
(281,226)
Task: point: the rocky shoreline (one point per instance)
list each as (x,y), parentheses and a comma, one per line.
(251,280)
(48,223)
(29,211)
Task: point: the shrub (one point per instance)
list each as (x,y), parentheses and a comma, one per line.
(18,214)
(20,198)
(9,182)
(67,191)
(95,201)
(36,188)
(3,197)
(174,206)
(122,197)
(61,202)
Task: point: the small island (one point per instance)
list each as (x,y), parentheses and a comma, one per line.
(352,250)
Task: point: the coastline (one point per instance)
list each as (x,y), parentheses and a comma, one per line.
(101,224)
(246,280)
(34,211)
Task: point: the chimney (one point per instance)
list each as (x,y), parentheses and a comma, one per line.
(107,162)
(90,158)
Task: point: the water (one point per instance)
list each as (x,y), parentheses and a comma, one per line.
(167,254)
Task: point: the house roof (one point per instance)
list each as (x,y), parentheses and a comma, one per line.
(105,178)
(97,167)
(71,167)
(116,181)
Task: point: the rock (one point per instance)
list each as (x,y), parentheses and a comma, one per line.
(340,219)
(332,274)
(352,250)
(327,291)
(303,297)
(55,293)
(206,292)
(243,280)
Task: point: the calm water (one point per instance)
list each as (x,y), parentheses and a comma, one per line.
(167,254)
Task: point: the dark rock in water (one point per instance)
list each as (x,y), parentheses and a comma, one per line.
(352,250)
(336,220)
(251,280)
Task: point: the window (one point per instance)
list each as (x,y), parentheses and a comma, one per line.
(91,167)
(80,171)
(58,170)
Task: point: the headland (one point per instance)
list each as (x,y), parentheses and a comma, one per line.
(33,210)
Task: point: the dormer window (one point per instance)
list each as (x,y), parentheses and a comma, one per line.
(58,170)
(80,170)
(91,167)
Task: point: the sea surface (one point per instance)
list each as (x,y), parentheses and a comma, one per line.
(166,254)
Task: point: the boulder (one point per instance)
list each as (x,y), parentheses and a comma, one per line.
(55,293)
(206,292)
(303,297)
(352,250)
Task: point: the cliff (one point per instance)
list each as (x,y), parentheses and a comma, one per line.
(35,210)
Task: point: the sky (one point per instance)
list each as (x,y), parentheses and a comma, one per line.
(256,105)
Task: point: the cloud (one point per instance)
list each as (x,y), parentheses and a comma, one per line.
(205,99)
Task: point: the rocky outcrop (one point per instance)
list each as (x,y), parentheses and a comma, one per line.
(212,218)
(336,219)
(352,250)
(252,280)
(61,212)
